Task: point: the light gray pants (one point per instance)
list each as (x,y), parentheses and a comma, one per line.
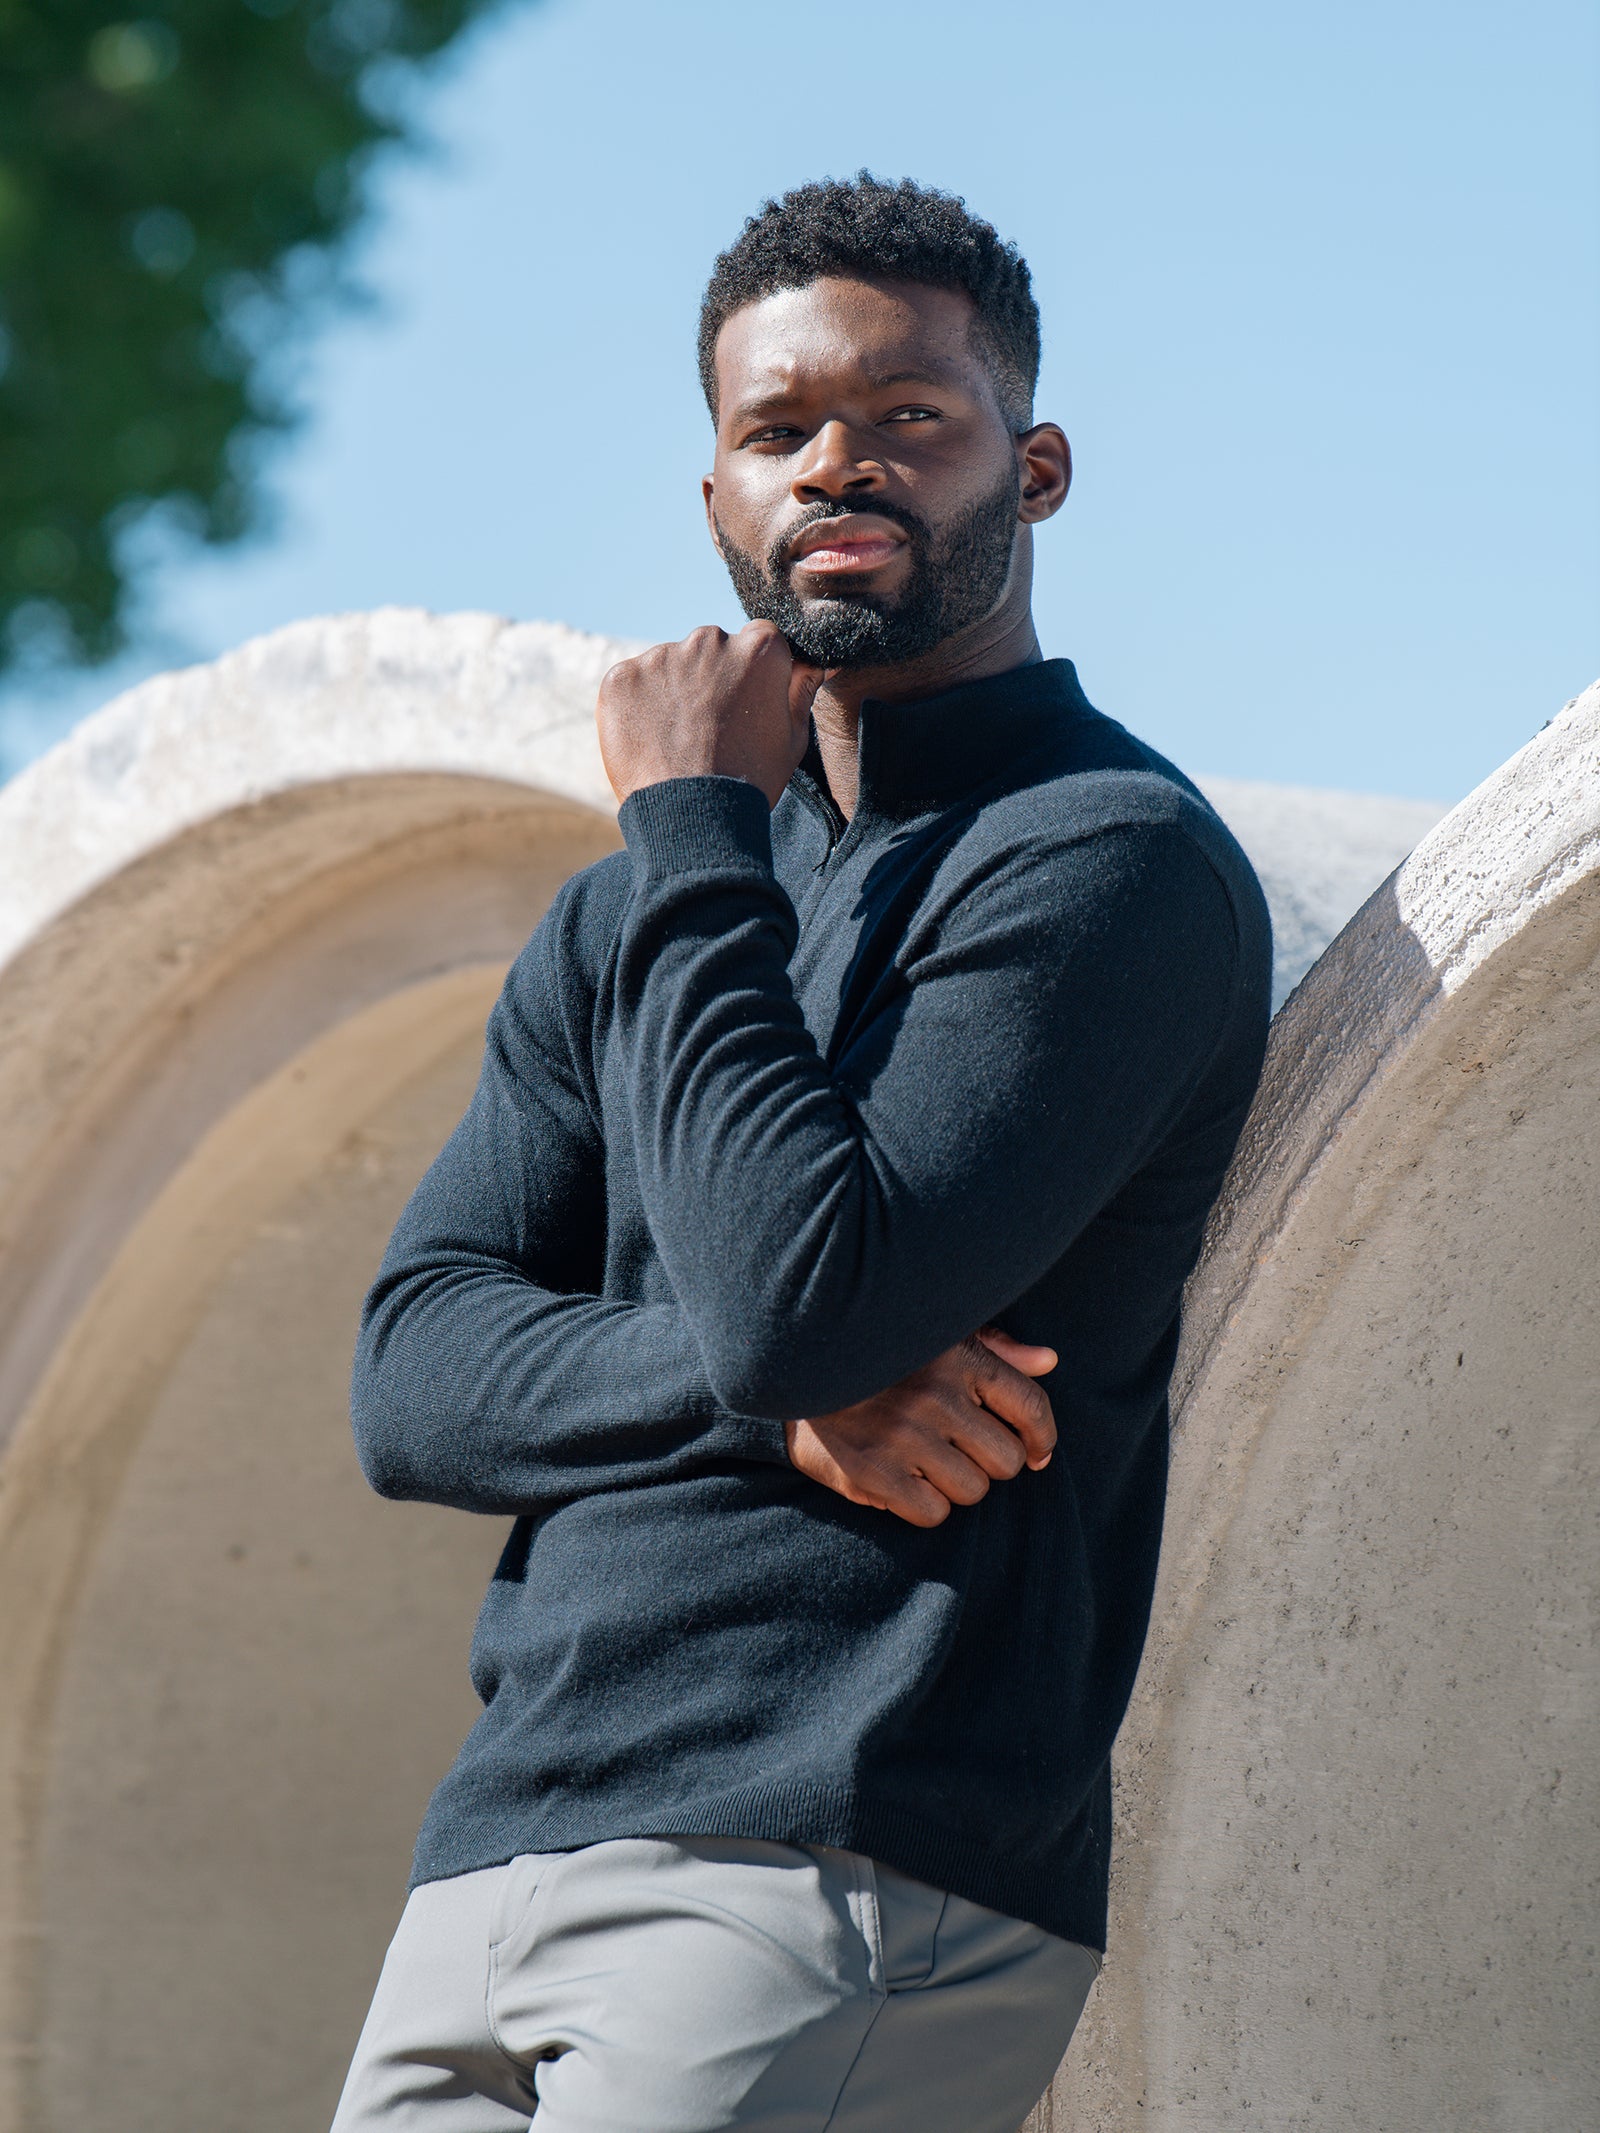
(672,1986)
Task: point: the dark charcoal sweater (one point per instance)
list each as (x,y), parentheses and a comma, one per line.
(772,1111)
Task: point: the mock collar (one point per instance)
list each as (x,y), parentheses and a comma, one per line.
(928,753)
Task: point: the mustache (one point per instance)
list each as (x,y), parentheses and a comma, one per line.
(780,555)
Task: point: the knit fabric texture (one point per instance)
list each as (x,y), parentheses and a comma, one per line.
(773,1110)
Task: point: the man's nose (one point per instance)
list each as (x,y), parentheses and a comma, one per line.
(836,465)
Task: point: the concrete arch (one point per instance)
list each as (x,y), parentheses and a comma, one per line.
(1357,1881)
(251,918)
(254,916)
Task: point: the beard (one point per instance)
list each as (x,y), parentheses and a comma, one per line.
(957,576)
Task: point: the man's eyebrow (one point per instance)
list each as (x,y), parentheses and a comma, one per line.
(919,374)
(771,403)
(782,397)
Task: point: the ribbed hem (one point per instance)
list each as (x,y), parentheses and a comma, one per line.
(1062,1890)
(695,825)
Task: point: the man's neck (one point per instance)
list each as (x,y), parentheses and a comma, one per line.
(968,657)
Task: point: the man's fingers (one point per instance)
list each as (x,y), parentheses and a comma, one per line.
(884,1484)
(913,1498)
(804,682)
(709,706)
(939,1438)
(1032,1361)
(945,1462)
(881,1482)
(1019,1402)
(976,1433)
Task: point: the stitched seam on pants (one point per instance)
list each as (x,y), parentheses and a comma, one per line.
(514,2061)
(491,1980)
(864,1872)
(866,2036)
(933,1943)
(519,2070)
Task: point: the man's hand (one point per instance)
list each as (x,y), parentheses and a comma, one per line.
(712,706)
(940,1436)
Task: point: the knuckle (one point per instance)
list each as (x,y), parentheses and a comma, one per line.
(993,1376)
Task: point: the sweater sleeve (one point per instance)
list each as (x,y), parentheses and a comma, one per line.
(830,1223)
(489,1374)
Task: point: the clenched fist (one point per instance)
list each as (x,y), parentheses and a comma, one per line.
(712,706)
(941,1436)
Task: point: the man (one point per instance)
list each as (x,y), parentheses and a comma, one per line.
(804,1281)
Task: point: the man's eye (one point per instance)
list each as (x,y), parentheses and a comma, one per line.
(776,433)
(913,414)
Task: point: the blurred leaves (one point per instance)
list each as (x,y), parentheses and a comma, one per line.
(174,186)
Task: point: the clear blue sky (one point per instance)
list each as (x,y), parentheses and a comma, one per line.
(1321,289)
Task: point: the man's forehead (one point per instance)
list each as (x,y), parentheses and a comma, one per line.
(873,333)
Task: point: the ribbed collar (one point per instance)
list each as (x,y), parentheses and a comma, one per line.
(930,752)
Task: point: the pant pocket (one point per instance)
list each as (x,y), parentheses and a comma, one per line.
(513,1898)
(513,1926)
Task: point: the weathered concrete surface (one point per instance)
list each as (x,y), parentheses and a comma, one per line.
(251,919)
(1357,1860)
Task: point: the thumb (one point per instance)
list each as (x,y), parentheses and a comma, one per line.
(1026,1357)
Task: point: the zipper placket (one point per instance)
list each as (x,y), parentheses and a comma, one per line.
(823,805)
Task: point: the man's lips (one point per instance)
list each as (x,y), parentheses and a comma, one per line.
(846,544)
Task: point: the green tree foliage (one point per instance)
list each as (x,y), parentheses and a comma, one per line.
(174,186)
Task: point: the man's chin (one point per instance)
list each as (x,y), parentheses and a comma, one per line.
(852,587)
(841,631)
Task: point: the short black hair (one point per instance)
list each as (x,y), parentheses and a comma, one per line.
(868,227)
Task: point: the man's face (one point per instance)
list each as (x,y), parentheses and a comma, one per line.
(867,487)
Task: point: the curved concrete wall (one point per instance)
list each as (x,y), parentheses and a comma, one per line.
(1358,1882)
(251,919)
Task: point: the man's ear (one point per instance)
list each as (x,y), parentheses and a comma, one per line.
(1045,464)
(708,496)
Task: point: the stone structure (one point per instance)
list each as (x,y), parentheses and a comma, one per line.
(1358,1876)
(251,919)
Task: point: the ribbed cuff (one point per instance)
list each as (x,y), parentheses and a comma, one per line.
(692,825)
(771,1437)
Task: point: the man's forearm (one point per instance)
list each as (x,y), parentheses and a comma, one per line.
(473,1388)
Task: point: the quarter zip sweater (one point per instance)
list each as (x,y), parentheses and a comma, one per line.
(773,1110)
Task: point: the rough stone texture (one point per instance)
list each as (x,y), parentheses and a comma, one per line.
(1357,1873)
(251,918)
